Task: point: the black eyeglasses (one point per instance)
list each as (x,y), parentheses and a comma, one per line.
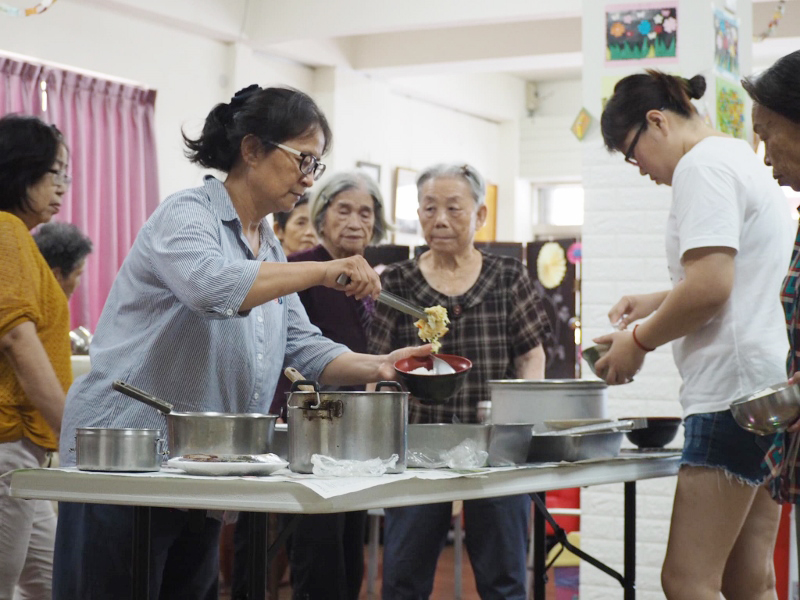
(629,154)
(309,165)
(60,177)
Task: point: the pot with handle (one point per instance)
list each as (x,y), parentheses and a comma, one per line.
(347,425)
(209,432)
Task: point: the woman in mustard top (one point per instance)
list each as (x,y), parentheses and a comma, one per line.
(35,370)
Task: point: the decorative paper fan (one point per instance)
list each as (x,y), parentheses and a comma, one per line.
(551,265)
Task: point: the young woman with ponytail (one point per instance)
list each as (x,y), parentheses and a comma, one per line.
(728,243)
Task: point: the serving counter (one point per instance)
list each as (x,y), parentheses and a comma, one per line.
(307,494)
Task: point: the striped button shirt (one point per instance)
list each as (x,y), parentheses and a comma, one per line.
(171,325)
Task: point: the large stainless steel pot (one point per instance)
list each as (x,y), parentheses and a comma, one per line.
(209,432)
(347,425)
(537,401)
(105,449)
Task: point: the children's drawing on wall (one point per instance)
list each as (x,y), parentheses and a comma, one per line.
(642,32)
(730,108)
(726,44)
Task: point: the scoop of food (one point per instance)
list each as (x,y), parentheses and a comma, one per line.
(434,327)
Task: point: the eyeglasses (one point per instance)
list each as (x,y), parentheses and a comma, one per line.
(60,177)
(629,154)
(309,165)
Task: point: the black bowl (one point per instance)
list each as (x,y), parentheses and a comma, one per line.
(659,432)
(433,389)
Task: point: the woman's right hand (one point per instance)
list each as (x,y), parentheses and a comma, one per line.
(632,308)
(363,280)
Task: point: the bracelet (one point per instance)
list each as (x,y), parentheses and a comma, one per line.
(638,343)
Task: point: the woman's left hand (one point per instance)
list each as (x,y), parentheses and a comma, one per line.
(622,361)
(386,368)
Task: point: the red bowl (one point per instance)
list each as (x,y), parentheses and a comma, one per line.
(433,389)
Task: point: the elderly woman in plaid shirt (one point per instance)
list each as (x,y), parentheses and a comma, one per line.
(776,120)
(498,322)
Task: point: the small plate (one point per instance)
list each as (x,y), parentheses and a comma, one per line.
(261,465)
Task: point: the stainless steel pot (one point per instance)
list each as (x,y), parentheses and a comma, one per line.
(106,449)
(347,425)
(537,401)
(209,432)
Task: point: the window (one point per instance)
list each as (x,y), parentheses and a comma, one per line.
(557,210)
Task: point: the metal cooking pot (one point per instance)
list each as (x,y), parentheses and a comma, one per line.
(347,425)
(209,432)
(537,401)
(105,449)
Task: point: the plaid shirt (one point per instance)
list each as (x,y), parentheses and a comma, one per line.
(782,458)
(498,319)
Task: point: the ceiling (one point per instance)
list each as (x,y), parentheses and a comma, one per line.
(530,39)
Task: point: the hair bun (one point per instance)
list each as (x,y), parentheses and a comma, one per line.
(697,86)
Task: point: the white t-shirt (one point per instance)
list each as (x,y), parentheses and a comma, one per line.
(723,196)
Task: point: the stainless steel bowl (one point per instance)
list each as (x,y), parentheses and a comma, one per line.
(594,353)
(770,410)
(126,449)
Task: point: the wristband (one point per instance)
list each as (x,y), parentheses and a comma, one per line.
(638,343)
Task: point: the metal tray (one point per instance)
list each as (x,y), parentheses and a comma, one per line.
(572,448)
(505,444)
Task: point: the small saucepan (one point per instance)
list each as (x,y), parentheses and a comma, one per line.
(209,432)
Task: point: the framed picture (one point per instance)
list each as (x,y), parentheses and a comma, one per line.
(407,230)
(371,169)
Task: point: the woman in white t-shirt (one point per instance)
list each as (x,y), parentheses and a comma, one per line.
(728,243)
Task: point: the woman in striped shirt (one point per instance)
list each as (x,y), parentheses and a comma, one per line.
(204,313)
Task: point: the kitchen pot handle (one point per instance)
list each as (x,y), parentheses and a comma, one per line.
(134,392)
(296,385)
(391,384)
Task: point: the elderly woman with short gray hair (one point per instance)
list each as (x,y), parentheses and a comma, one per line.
(498,322)
(327,551)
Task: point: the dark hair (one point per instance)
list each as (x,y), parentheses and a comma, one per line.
(282,218)
(63,245)
(28,150)
(635,95)
(778,88)
(270,114)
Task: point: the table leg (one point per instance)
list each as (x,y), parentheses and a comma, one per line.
(630,540)
(140,584)
(539,552)
(257,538)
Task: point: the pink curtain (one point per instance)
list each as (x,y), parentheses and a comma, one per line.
(109,128)
(19,87)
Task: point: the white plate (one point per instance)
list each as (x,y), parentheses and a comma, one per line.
(263,466)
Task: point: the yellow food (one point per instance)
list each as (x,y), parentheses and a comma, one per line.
(434,327)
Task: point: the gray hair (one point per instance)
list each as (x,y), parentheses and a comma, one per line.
(464,171)
(341,182)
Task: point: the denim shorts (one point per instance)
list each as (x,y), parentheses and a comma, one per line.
(716,440)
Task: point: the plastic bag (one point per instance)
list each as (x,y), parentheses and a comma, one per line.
(327,466)
(463,456)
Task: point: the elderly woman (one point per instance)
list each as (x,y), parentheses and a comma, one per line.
(498,322)
(728,239)
(327,551)
(65,249)
(204,313)
(294,228)
(776,120)
(35,371)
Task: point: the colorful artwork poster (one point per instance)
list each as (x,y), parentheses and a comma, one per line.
(730,108)
(642,32)
(726,44)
